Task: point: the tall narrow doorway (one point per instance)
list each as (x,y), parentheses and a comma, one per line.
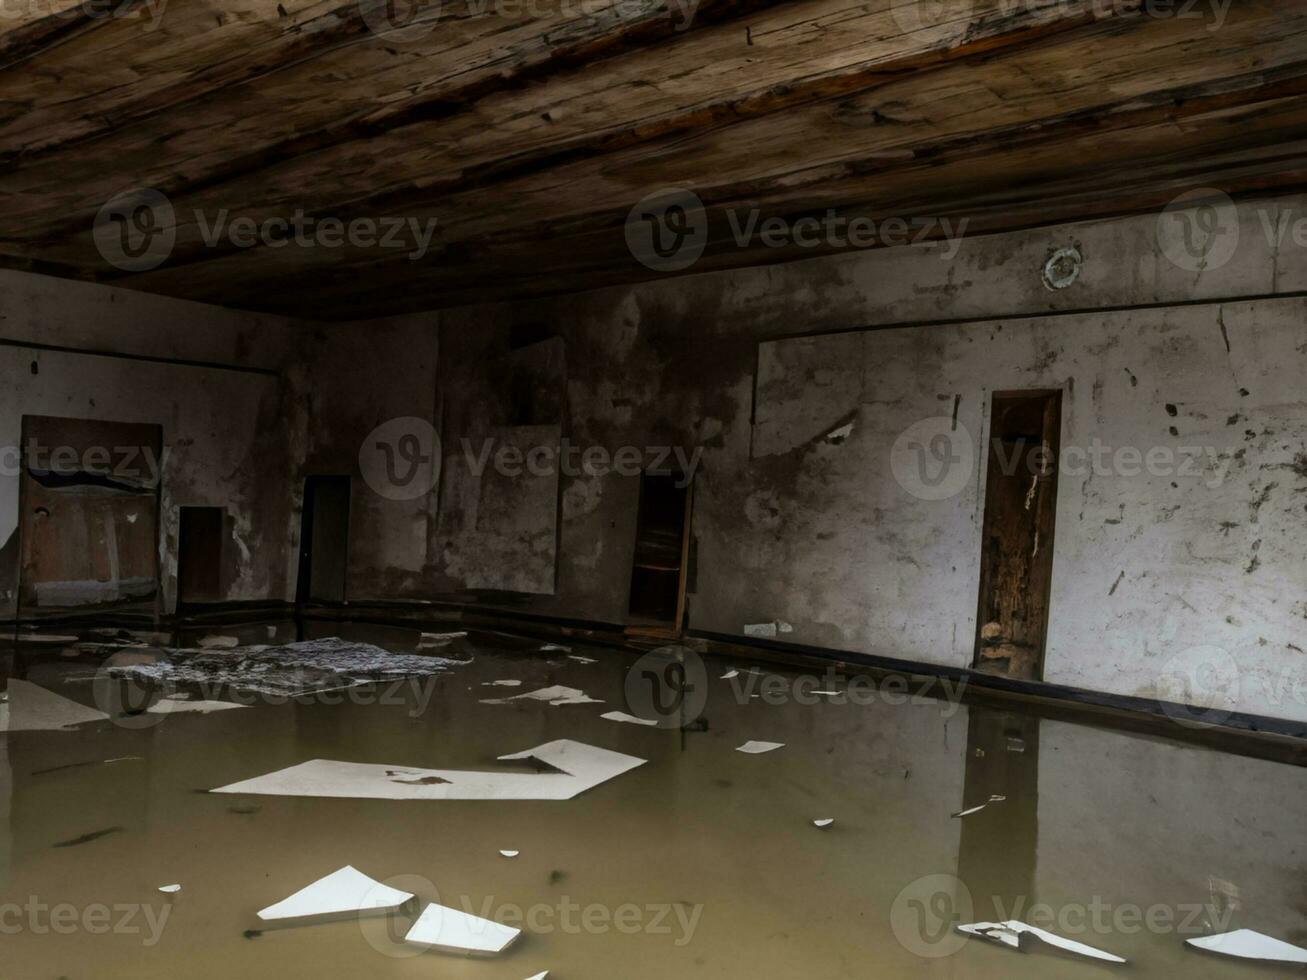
(324,539)
(1016,562)
(662,542)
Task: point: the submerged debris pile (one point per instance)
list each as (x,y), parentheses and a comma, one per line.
(289,670)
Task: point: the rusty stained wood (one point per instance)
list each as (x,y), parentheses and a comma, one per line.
(530,140)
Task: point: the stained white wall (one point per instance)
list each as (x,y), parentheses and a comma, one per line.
(755,366)
(198,371)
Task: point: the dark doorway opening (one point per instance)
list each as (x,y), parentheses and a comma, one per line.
(200,536)
(662,541)
(1016,561)
(324,539)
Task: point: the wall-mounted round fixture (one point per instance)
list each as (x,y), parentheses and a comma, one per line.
(1063,268)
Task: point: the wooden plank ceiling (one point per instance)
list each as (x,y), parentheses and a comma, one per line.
(526,130)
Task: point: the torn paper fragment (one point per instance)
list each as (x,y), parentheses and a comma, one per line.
(760,629)
(173,706)
(510,854)
(622,716)
(757,748)
(1009,934)
(29,707)
(730,674)
(1249,945)
(555,696)
(215,642)
(342,894)
(581,767)
(452,931)
(977,809)
(824,822)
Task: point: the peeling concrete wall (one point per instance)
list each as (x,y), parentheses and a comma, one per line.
(209,377)
(799,519)
(346,383)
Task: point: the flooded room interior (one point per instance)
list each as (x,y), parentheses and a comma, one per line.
(646,489)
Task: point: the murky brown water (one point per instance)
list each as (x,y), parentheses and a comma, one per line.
(707,856)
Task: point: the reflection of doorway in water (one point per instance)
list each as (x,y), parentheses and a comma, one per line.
(997,850)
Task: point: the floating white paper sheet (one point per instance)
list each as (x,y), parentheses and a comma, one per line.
(31,708)
(582,766)
(453,931)
(556,696)
(730,674)
(510,854)
(757,748)
(1009,934)
(582,660)
(824,822)
(555,648)
(622,716)
(1249,945)
(174,706)
(344,893)
(502,684)
(540,976)
(170,889)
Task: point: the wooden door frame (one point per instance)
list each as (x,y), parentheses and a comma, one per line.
(677,630)
(1057,397)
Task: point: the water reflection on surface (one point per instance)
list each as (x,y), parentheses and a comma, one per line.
(1129,843)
